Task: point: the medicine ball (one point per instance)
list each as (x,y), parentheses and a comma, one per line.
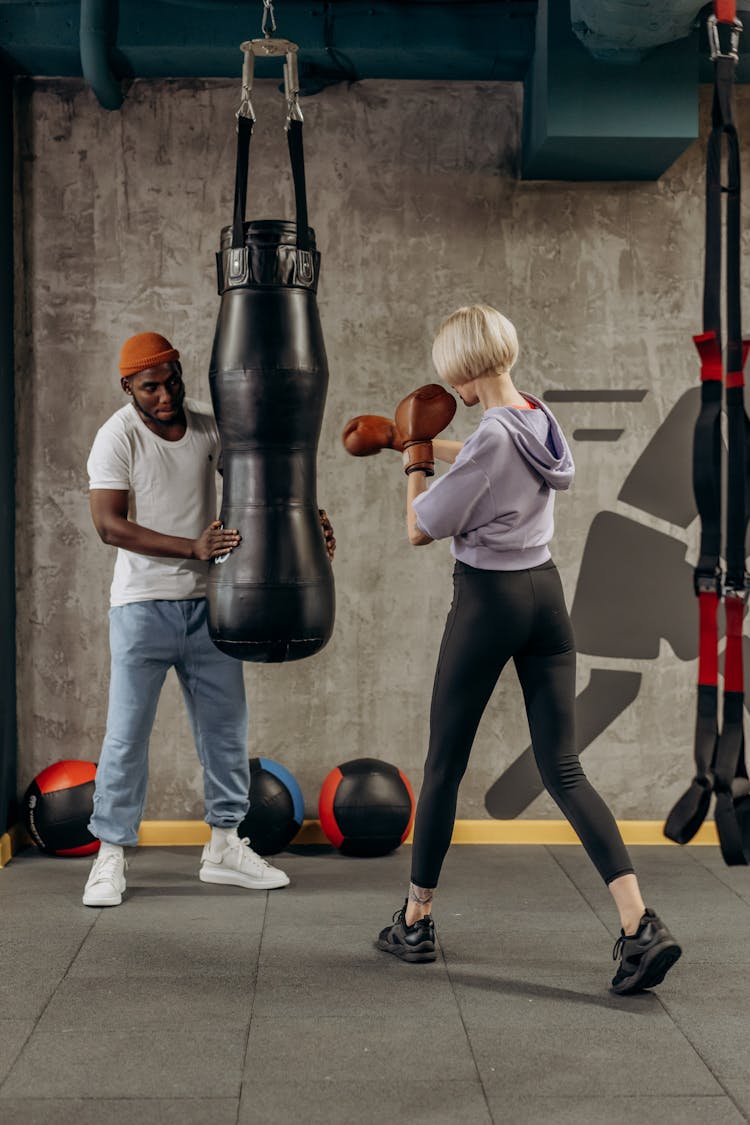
(276,807)
(57,807)
(366,807)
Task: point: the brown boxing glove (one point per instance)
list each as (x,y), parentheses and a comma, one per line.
(420,417)
(369,433)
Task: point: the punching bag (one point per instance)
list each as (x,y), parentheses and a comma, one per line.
(272,598)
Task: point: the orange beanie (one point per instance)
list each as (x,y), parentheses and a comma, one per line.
(147,349)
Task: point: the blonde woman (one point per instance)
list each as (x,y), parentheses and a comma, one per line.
(496,504)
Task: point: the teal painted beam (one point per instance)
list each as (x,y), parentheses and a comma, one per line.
(346,40)
(8,745)
(587,120)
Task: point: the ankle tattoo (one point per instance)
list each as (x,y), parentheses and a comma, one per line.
(423,896)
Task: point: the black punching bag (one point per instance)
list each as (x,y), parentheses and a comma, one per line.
(272,598)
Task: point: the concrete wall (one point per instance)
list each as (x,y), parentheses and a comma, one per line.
(417,209)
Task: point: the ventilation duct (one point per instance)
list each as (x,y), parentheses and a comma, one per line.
(623,31)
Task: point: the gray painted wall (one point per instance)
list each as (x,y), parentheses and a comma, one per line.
(414,197)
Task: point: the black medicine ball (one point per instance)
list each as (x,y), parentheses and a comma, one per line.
(276,807)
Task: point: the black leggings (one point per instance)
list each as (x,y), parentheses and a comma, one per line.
(496,615)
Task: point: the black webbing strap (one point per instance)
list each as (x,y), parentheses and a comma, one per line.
(244,135)
(719,757)
(729,762)
(297,157)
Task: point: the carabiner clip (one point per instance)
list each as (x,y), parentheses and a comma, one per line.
(248,72)
(268,12)
(272,48)
(714,40)
(291,87)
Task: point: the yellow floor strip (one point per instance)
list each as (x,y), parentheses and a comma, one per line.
(560,832)
(11,842)
(176,833)
(168,833)
(173,833)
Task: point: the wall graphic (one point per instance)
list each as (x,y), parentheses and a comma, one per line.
(634,588)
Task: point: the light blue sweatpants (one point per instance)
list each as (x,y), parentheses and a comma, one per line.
(146,640)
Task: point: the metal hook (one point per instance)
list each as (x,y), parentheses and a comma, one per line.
(268,13)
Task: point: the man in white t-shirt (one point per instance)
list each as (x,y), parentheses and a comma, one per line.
(153,496)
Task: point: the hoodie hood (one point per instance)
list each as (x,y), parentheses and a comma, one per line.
(538,438)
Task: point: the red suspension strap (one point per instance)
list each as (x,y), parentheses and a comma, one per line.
(725,11)
(719,755)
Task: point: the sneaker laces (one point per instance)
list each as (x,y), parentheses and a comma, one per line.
(400,915)
(248,854)
(619,945)
(106,867)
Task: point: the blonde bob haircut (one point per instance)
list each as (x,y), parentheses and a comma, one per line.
(474,340)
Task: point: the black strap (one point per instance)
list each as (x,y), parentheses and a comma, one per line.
(297,158)
(691,809)
(728,769)
(729,763)
(244,135)
(719,756)
(707,466)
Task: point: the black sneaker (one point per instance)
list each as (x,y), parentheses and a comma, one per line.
(410,943)
(645,957)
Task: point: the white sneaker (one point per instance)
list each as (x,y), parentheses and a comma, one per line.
(106,882)
(236,863)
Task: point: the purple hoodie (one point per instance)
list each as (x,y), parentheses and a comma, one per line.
(497,498)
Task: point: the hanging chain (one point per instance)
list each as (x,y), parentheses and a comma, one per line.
(267,27)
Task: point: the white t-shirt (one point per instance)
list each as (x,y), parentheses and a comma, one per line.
(172,490)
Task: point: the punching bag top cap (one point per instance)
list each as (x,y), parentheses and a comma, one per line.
(268,232)
(269,258)
(147,349)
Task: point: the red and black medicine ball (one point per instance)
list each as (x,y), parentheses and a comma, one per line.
(58,805)
(366,807)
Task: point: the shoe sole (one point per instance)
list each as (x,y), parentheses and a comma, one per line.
(404,953)
(237,879)
(100,902)
(652,969)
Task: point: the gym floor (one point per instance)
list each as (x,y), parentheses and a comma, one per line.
(193,1003)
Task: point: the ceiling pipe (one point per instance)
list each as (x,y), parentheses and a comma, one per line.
(97,35)
(8,731)
(625,30)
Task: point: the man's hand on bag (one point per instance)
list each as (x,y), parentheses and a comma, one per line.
(325,523)
(215,540)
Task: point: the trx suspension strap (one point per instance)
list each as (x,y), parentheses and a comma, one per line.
(720,754)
